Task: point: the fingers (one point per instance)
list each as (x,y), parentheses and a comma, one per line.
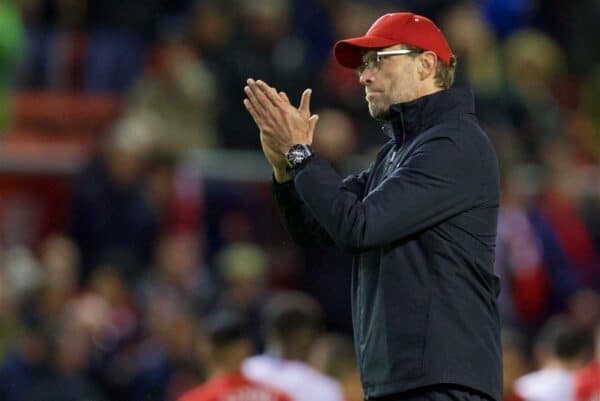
(305,102)
(265,95)
(253,112)
(284,97)
(269,92)
(257,98)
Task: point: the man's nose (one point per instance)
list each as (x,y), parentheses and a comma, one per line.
(366,77)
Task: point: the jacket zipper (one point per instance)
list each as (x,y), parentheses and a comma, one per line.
(390,164)
(362,337)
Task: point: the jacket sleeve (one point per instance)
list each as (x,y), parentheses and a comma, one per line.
(437,181)
(299,221)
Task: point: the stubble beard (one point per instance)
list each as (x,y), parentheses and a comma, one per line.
(379,112)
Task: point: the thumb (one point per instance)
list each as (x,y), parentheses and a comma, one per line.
(305,102)
(312,124)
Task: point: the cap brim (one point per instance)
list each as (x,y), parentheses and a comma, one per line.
(348,52)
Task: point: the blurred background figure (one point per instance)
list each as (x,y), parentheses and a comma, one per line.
(292,322)
(514,362)
(119,37)
(226,347)
(242,269)
(333,355)
(560,350)
(335,138)
(587,380)
(179,273)
(109,216)
(174,89)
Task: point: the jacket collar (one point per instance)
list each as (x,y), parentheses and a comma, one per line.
(410,118)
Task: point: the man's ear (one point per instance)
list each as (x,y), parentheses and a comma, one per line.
(427,65)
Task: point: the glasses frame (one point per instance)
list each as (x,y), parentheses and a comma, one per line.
(374,63)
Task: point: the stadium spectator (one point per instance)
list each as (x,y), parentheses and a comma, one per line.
(292,322)
(174,90)
(179,273)
(561,349)
(119,34)
(109,217)
(227,347)
(242,268)
(587,380)
(514,362)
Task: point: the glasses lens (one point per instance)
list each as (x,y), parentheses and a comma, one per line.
(371,63)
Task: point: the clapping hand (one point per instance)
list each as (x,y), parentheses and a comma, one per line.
(281,125)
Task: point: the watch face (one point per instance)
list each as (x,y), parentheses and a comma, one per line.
(297,154)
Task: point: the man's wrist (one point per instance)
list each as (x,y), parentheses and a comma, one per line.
(281,175)
(297,155)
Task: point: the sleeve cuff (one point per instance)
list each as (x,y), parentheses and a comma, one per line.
(284,192)
(296,170)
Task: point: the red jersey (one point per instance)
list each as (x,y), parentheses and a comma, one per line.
(233,387)
(587,382)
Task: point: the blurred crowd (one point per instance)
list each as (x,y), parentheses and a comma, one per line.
(118,304)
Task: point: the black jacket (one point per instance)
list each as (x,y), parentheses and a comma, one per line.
(421,224)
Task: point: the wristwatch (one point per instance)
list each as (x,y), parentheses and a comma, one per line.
(297,154)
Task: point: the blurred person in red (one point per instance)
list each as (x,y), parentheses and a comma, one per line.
(560,204)
(292,322)
(587,380)
(227,347)
(519,258)
(561,349)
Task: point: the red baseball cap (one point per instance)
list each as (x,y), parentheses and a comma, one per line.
(394,29)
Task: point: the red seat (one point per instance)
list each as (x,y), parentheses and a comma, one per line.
(63,114)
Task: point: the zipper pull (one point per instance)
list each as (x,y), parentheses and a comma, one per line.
(390,163)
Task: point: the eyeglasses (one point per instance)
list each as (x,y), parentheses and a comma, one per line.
(374,62)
